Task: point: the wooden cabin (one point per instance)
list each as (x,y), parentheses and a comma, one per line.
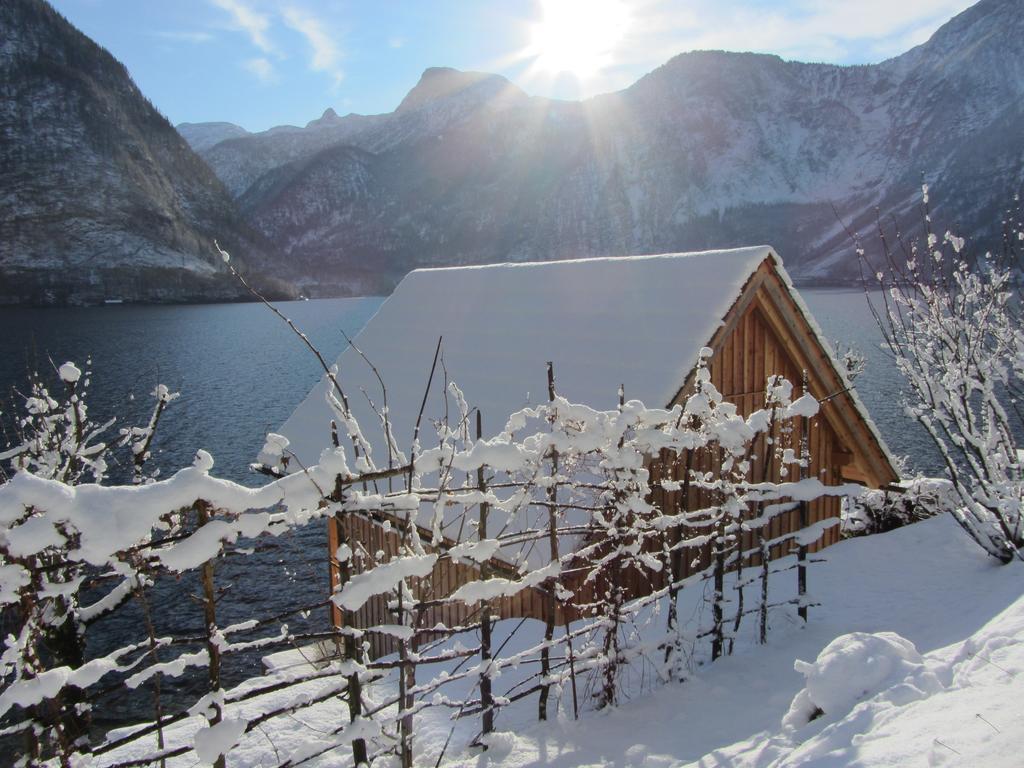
(637,321)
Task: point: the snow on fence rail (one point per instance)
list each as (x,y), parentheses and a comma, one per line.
(594,517)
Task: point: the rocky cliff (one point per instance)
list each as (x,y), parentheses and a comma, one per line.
(100,197)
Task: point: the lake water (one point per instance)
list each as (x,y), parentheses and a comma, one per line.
(239,369)
(844,317)
(240,372)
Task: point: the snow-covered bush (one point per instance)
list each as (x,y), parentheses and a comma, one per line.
(879,510)
(855,667)
(51,435)
(954,324)
(52,439)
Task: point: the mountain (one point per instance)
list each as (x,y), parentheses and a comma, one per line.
(205,135)
(711,149)
(100,198)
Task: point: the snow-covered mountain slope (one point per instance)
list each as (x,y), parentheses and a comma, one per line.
(443,96)
(99,196)
(240,162)
(712,149)
(205,135)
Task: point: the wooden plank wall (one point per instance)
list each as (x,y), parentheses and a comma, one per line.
(372,544)
(740,369)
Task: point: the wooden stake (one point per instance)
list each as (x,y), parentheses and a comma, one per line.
(210,619)
(486,695)
(549,602)
(354,687)
(677,563)
(801,557)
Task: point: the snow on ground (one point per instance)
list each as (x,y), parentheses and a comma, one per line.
(949,694)
(928,583)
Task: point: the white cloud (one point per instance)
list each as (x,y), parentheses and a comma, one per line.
(325,53)
(396,42)
(249,21)
(262,69)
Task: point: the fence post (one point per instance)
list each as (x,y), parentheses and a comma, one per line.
(717,612)
(676,560)
(801,556)
(406,669)
(210,620)
(486,695)
(353,686)
(762,609)
(406,681)
(768,475)
(615,594)
(552,584)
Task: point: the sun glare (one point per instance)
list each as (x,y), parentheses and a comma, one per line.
(578,36)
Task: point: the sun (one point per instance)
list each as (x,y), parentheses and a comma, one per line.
(578,36)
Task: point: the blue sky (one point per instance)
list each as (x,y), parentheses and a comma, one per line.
(261,63)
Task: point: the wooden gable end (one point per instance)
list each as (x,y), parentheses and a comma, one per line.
(765,332)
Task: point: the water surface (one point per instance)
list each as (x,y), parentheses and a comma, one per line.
(845,317)
(239,369)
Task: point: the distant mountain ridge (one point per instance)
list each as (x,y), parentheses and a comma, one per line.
(205,135)
(712,149)
(100,198)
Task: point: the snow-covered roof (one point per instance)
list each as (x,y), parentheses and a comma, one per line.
(638,321)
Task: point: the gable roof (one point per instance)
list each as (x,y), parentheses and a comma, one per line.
(637,321)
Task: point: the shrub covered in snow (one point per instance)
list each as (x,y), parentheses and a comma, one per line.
(954,324)
(855,667)
(881,510)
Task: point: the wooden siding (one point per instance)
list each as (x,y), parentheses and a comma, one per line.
(371,543)
(740,367)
